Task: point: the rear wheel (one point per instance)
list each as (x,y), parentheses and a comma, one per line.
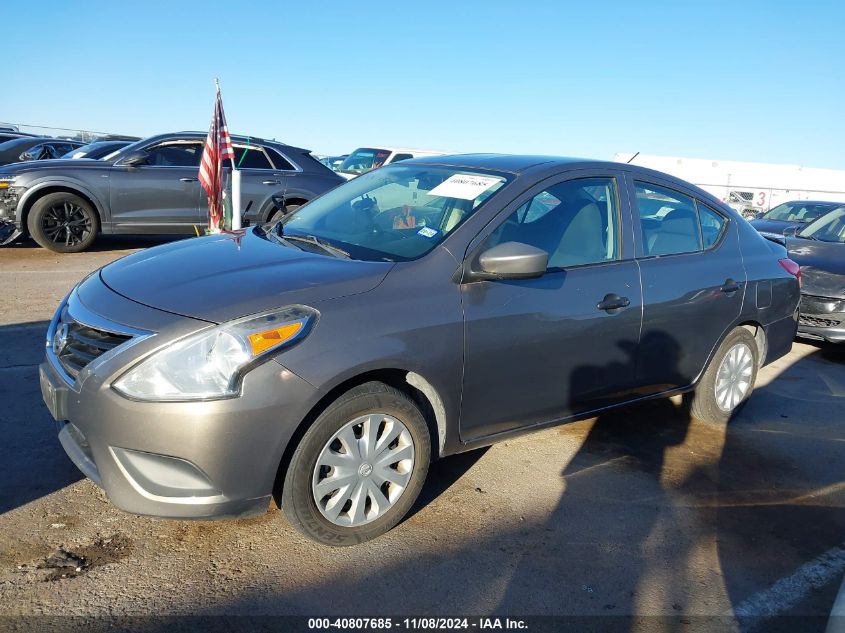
(63,222)
(359,468)
(729,380)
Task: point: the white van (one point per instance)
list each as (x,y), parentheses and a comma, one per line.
(365,159)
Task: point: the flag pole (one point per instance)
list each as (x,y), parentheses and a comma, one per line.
(236,186)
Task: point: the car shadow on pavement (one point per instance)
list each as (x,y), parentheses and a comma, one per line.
(106,243)
(760,496)
(442,475)
(33,463)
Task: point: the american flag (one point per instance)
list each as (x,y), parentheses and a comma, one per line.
(218,147)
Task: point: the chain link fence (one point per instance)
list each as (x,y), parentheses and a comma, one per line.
(62,132)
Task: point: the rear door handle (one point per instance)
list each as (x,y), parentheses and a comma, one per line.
(613,302)
(729,286)
(269,182)
(188,179)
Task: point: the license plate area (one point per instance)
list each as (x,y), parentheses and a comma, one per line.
(51,394)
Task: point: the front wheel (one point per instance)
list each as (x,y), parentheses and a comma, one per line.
(729,379)
(278,214)
(359,468)
(63,222)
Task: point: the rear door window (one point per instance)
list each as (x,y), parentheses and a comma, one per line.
(251,158)
(668,219)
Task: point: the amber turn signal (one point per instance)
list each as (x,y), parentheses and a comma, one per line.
(262,341)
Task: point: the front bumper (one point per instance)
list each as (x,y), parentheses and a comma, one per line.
(822,318)
(178,459)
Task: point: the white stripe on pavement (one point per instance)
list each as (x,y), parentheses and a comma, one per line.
(788,592)
(836,624)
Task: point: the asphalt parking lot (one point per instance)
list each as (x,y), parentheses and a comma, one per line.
(641,512)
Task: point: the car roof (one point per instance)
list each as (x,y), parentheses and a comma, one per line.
(512,163)
(237,138)
(828,202)
(404,150)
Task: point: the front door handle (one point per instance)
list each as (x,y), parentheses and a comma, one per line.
(729,286)
(269,182)
(612,303)
(188,179)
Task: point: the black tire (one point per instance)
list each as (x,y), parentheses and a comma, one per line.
(298,500)
(63,222)
(704,404)
(278,214)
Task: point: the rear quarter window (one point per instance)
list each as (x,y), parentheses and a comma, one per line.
(713,224)
(280,161)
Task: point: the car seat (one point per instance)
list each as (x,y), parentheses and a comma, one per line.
(677,233)
(584,237)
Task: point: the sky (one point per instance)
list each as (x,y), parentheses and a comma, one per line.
(740,80)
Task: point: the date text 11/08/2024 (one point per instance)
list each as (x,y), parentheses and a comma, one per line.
(437,624)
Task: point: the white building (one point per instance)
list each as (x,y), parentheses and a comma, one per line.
(748,187)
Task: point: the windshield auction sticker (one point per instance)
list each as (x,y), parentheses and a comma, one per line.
(464,186)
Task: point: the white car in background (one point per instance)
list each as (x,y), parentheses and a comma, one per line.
(366,159)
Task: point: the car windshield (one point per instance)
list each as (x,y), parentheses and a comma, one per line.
(84,149)
(828,228)
(798,211)
(397,213)
(364,159)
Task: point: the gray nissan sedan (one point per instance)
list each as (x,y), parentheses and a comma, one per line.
(420,310)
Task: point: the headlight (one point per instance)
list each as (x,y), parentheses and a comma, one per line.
(7,182)
(210,364)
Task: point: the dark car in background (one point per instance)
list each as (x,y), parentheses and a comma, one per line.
(35,148)
(151,186)
(420,310)
(788,217)
(819,249)
(10,136)
(97,149)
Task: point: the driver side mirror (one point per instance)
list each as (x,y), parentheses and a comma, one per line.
(26,156)
(510,260)
(133,159)
(791,231)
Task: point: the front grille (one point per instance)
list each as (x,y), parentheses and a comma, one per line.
(76,344)
(813,321)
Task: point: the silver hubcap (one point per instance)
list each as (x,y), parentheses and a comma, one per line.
(733,380)
(363,470)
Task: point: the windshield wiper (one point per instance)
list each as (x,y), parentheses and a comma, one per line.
(313,239)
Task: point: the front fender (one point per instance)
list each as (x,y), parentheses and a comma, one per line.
(64,182)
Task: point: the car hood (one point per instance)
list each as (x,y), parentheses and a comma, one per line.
(223,277)
(822,266)
(55,163)
(776,227)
